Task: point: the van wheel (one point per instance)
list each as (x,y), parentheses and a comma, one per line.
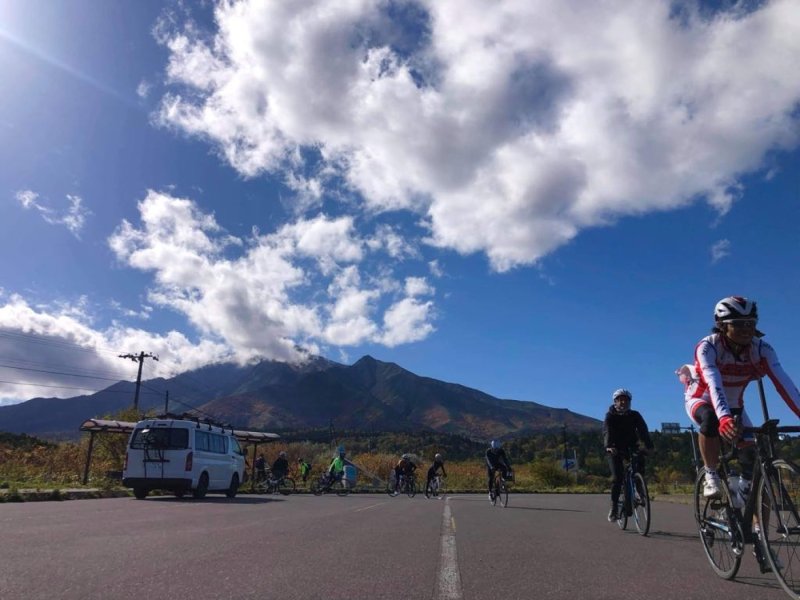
(234,487)
(202,487)
(140,493)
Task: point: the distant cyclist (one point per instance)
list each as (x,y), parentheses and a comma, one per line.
(336,470)
(438,465)
(405,467)
(280,468)
(304,468)
(623,429)
(724,363)
(496,460)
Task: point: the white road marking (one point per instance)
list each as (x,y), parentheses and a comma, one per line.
(368,507)
(448,585)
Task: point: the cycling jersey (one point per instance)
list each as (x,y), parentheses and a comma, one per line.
(624,430)
(280,467)
(719,376)
(496,458)
(437,465)
(337,465)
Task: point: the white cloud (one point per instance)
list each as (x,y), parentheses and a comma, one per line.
(300,286)
(143,89)
(63,335)
(509,133)
(73,218)
(720,250)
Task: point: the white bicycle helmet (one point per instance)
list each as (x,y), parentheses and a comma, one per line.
(621,392)
(496,445)
(437,457)
(735,307)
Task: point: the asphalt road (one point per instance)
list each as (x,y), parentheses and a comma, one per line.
(361,546)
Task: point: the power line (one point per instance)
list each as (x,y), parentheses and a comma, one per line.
(65,387)
(56,372)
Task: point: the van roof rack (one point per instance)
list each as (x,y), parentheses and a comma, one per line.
(198,420)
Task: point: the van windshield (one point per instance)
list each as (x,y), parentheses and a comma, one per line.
(164,438)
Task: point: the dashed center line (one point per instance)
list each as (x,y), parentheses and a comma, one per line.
(448,585)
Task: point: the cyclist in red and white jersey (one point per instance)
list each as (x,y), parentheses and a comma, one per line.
(725,362)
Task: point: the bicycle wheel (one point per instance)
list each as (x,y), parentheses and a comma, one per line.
(287,486)
(317,488)
(429,489)
(777,505)
(720,529)
(641,504)
(503,494)
(622,514)
(411,488)
(342,489)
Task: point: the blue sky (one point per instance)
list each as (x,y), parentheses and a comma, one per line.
(543,202)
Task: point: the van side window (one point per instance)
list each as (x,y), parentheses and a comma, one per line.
(166,438)
(237,449)
(217,443)
(201,441)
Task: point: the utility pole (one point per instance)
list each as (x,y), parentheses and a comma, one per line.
(140,360)
(566,460)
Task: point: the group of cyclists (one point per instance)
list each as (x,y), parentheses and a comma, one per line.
(496,461)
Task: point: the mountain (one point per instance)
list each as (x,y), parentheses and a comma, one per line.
(368,395)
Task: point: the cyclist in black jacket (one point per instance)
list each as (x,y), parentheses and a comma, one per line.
(623,429)
(438,465)
(496,460)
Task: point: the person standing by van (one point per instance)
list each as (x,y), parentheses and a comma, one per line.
(261,468)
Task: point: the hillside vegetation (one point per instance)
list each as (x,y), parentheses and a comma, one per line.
(27,462)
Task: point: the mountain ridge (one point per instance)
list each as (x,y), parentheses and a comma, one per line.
(368,395)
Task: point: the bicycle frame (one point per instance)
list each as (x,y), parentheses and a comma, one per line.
(726,528)
(631,467)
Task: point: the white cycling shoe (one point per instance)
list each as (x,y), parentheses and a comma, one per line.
(711,487)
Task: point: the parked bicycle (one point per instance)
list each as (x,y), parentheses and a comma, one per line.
(407,485)
(435,487)
(635,499)
(500,487)
(768,518)
(269,485)
(326,484)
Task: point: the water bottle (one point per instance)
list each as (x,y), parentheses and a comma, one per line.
(736,496)
(744,488)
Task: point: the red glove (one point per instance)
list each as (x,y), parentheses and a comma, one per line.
(727,427)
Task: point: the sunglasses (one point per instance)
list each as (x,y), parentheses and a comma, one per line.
(742,323)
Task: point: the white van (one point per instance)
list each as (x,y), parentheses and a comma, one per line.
(180,456)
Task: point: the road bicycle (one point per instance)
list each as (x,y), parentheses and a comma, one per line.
(326,484)
(635,500)
(435,487)
(267,485)
(407,485)
(500,487)
(768,518)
